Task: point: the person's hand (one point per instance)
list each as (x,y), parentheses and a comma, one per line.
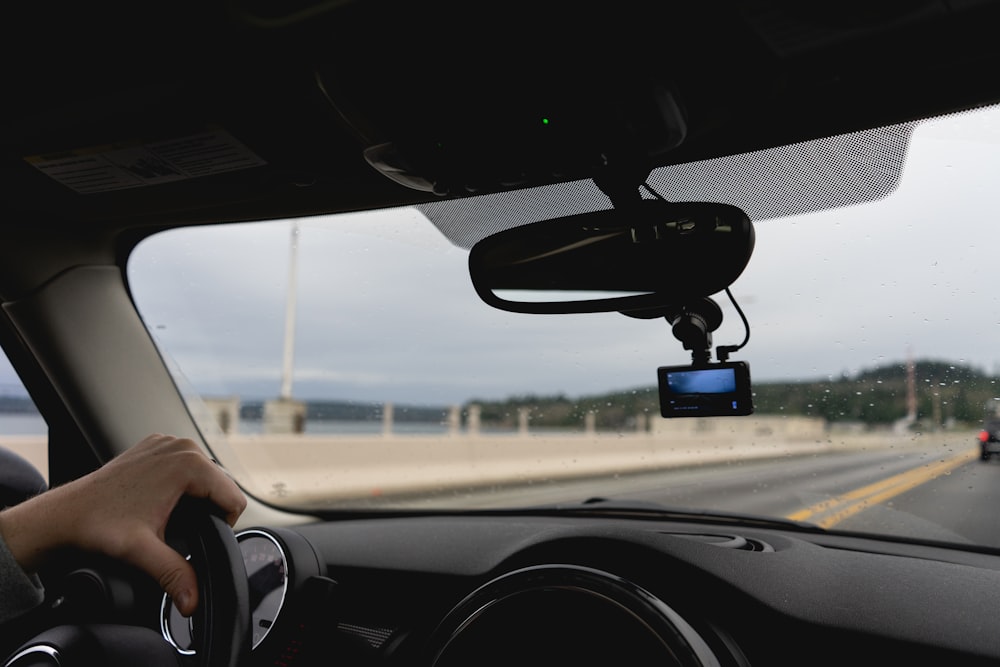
(122,510)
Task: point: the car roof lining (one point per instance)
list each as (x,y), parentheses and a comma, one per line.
(779,76)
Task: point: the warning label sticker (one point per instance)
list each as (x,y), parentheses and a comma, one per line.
(104,168)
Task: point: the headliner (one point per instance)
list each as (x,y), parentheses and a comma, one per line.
(301,90)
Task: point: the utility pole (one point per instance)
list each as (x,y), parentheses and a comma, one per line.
(285,415)
(288,364)
(911,387)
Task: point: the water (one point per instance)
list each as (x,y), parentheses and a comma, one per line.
(17,423)
(368,427)
(12,424)
(344,427)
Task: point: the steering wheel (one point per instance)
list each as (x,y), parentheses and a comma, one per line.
(220,628)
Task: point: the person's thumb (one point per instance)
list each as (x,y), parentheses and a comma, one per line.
(173,572)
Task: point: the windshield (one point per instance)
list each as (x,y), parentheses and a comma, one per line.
(345,362)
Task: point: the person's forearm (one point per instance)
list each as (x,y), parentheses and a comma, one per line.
(32,530)
(19,591)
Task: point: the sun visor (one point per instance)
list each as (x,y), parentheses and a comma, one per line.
(777,182)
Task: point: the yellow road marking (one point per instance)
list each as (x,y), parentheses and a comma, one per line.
(830,512)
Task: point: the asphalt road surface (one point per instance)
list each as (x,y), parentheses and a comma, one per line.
(938,491)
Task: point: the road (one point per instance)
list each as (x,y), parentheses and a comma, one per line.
(941,495)
(935,492)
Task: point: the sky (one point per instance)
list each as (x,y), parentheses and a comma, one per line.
(386,311)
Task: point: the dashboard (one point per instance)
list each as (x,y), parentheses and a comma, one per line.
(457,590)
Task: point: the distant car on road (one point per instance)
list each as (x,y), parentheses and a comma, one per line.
(989,439)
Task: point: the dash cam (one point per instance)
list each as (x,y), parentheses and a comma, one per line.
(709,390)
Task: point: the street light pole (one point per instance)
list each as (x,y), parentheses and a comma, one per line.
(290,309)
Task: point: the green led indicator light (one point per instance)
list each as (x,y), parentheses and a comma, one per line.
(545,121)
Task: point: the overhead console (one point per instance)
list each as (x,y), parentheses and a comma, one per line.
(489,138)
(535,97)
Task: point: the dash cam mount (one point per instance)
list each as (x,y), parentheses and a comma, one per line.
(692,324)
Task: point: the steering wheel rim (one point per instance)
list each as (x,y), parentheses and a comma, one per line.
(220,626)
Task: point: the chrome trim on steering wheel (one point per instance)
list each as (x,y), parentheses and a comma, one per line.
(166,608)
(31,650)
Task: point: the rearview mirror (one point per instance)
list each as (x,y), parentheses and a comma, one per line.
(655,254)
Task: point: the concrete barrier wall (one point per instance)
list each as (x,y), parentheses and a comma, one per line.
(303,469)
(753,426)
(34,448)
(316,469)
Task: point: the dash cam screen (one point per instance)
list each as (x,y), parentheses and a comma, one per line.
(720,389)
(715,381)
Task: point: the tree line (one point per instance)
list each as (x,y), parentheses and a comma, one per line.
(944,392)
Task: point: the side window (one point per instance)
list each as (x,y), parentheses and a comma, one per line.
(22,429)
